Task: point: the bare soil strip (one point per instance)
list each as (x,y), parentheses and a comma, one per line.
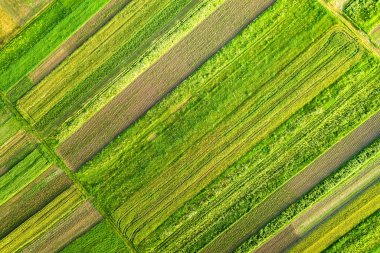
(297,186)
(78,38)
(152,85)
(66,230)
(321,211)
(31,199)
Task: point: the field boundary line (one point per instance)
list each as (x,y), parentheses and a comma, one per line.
(368,122)
(360,35)
(70,174)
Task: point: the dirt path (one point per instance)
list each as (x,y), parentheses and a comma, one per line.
(92,26)
(152,85)
(296,187)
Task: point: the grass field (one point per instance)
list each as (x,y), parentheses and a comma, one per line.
(320,202)
(168,72)
(189,126)
(365,13)
(70,91)
(364,237)
(41,37)
(167,143)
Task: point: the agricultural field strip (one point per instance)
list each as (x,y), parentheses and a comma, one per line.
(23,11)
(17,31)
(182,70)
(32,198)
(241,132)
(42,37)
(247,178)
(16,148)
(114,80)
(92,26)
(159,120)
(361,238)
(203,176)
(37,102)
(5,102)
(361,136)
(337,200)
(59,113)
(361,206)
(52,213)
(211,88)
(22,174)
(315,214)
(366,42)
(82,219)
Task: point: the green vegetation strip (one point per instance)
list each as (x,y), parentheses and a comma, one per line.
(30,230)
(364,13)
(279,233)
(22,174)
(365,237)
(32,199)
(66,89)
(342,222)
(39,38)
(100,238)
(176,148)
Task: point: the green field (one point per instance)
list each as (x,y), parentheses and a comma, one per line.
(365,13)
(189,126)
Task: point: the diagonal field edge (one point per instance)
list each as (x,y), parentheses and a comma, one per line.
(152,85)
(305,180)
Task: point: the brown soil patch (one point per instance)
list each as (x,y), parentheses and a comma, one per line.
(93,25)
(152,85)
(296,187)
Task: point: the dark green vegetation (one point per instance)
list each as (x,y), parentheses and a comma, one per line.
(100,238)
(41,37)
(365,237)
(365,13)
(239,155)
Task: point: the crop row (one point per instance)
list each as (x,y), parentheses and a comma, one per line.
(39,38)
(262,148)
(320,191)
(175,131)
(274,171)
(342,222)
(362,238)
(255,121)
(40,222)
(32,198)
(111,58)
(130,68)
